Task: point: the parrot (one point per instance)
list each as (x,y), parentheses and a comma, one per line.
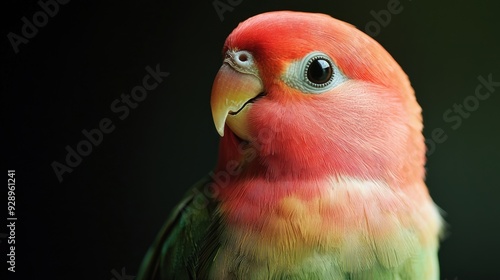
(321,164)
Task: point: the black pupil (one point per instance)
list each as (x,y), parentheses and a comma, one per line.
(320,71)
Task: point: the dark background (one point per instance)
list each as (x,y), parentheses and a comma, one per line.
(103,216)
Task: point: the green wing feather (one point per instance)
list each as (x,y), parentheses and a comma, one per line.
(187,243)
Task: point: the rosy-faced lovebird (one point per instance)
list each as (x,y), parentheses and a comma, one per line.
(320,172)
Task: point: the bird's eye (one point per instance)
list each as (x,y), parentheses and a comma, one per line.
(319,71)
(315,73)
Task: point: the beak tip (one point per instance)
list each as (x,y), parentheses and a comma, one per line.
(221,131)
(220,124)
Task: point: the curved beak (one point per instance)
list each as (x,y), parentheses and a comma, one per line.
(232,95)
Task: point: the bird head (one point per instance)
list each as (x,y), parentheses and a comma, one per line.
(306,95)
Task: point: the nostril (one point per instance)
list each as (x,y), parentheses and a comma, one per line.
(242,57)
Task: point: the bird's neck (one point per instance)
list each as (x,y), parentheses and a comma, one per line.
(270,219)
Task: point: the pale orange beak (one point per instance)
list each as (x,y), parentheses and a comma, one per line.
(232,93)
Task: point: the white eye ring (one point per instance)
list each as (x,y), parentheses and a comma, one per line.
(328,75)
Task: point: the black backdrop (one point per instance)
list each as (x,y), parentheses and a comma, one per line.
(98,222)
